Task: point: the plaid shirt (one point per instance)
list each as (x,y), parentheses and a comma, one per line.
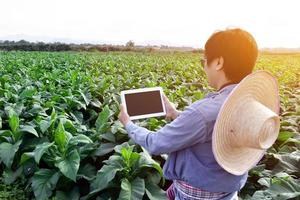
(190,192)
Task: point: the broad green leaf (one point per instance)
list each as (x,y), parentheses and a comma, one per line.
(13,120)
(29,129)
(26,156)
(284,135)
(280,190)
(44,182)
(69,165)
(68,125)
(132,190)
(44,125)
(147,161)
(154,192)
(28,92)
(40,150)
(60,137)
(86,98)
(289,162)
(79,139)
(130,157)
(68,195)
(10,176)
(101,122)
(109,137)
(104,176)
(119,147)
(265,181)
(107,172)
(104,149)
(8,151)
(88,171)
(53,115)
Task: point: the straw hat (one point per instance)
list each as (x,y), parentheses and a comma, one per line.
(247,124)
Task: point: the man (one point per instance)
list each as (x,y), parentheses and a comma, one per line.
(229,56)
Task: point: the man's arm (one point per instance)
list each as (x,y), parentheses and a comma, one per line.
(186,130)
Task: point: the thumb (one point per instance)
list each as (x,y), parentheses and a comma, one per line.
(122,108)
(164,97)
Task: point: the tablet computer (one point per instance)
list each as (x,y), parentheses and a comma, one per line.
(143,103)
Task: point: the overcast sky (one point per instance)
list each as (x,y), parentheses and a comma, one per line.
(170,22)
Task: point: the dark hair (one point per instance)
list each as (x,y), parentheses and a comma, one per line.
(238,49)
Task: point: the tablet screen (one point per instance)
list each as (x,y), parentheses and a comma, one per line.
(143,103)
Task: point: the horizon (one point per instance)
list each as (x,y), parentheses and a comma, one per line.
(69,42)
(170,23)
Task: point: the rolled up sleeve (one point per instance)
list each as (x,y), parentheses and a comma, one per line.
(187,129)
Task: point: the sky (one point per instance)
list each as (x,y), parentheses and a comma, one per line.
(273,23)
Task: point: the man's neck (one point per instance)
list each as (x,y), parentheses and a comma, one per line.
(226,84)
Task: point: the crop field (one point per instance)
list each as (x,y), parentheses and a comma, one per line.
(60,137)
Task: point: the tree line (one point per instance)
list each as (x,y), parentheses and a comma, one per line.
(24,45)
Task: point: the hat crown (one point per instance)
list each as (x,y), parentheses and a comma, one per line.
(258,128)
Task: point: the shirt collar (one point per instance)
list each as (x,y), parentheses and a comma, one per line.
(226,88)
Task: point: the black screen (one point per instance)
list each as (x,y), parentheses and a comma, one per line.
(143,103)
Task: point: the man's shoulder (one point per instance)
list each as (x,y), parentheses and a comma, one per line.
(209,107)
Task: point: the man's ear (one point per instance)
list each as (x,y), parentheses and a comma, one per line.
(220,63)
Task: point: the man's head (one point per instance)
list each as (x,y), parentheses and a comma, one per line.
(230,55)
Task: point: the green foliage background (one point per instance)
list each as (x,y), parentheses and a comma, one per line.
(60,137)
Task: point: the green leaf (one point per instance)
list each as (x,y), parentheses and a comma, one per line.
(284,135)
(68,195)
(60,137)
(10,176)
(79,139)
(26,156)
(87,171)
(0,122)
(44,125)
(106,174)
(147,161)
(101,122)
(104,149)
(130,157)
(86,99)
(13,120)
(44,182)
(69,164)
(289,162)
(40,150)
(265,181)
(29,129)
(8,151)
(154,192)
(28,92)
(282,189)
(132,190)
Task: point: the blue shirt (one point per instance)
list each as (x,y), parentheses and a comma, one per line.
(188,142)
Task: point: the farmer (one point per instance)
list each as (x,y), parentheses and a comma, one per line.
(204,160)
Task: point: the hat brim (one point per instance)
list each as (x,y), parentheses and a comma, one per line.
(237,160)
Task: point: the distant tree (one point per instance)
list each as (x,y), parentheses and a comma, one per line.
(130,44)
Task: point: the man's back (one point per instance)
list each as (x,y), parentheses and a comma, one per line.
(196,164)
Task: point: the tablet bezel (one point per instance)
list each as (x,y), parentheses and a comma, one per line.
(132,91)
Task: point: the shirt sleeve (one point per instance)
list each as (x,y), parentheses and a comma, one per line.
(187,129)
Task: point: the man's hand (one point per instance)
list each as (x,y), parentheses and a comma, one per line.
(171,112)
(123,116)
